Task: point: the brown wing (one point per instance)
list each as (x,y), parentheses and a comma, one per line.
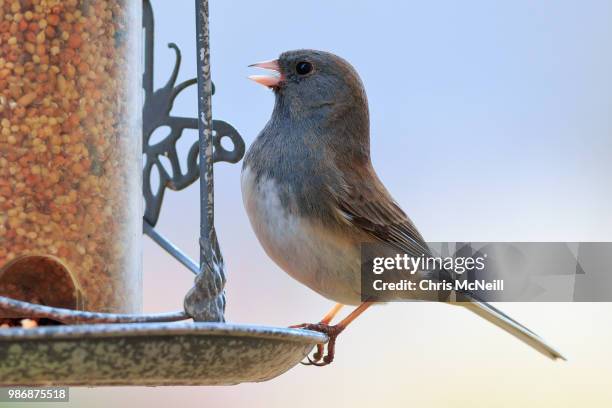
(367,205)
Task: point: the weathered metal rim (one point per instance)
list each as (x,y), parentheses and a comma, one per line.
(103,330)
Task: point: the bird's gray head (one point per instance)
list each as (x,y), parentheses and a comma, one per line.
(316,84)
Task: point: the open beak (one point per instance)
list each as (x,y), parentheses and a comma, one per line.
(271,81)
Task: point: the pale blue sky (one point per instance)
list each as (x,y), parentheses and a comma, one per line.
(494,116)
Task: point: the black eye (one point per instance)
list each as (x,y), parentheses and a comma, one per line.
(303,67)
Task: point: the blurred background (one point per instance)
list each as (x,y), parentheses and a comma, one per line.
(491,121)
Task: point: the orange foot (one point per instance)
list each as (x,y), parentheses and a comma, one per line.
(320,358)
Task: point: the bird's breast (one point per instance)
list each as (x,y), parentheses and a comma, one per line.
(317,256)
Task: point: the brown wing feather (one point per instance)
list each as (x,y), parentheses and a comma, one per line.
(367,205)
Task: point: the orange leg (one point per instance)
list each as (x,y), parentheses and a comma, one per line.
(353,315)
(325,320)
(332,333)
(332,313)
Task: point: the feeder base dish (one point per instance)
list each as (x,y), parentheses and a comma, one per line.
(150,354)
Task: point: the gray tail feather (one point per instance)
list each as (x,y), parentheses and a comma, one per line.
(503,321)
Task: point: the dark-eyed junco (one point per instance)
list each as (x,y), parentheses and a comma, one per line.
(313,197)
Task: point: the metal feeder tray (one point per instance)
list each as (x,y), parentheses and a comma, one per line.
(150,354)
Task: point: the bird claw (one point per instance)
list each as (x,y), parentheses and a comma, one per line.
(319,358)
(316,357)
(314,363)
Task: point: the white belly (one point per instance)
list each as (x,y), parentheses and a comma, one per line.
(304,249)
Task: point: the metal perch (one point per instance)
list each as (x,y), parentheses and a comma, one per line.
(69,316)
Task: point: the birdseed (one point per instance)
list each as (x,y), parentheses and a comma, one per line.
(69,157)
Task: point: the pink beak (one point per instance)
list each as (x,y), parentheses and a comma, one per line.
(271,81)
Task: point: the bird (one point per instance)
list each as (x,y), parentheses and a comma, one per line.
(313,198)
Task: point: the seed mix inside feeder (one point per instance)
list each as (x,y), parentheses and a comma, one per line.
(70,219)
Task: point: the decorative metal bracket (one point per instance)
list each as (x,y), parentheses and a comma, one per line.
(156,114)
(206,301)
